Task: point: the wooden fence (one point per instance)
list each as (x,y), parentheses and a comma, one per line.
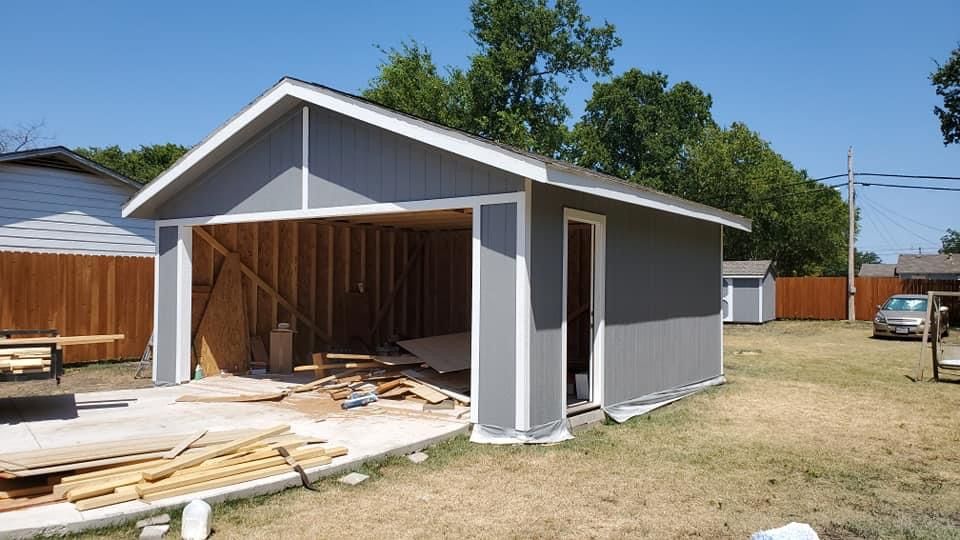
(78,295)
(824,298)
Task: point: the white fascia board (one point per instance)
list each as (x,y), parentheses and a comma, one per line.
(439,137)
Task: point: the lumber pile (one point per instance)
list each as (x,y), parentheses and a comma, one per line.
(22,360)
(101,474)
(387,377)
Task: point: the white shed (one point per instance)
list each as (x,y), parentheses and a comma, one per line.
(749,293)
(53,200)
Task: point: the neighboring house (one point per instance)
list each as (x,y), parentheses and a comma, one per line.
(937,267)
(53,200)
(305,153)
(878,270)
(68,260)
(749,292)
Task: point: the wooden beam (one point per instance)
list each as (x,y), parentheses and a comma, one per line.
(63,340)
(167,469)
(384,309)
(266,287)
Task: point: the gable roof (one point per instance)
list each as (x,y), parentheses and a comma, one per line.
(878,270)
(60,157)
(746,268)
(945,263)
(537,168)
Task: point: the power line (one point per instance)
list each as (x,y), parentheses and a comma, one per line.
(901,216)
(898,224)
(919,176)
(906,186)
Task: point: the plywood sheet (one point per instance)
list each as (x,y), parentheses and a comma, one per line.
(446,353)
(222,341)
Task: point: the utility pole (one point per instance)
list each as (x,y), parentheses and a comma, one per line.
(851,248)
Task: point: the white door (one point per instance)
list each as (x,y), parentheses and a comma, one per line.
(726,299)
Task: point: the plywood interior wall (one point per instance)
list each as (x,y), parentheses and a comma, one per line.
(344,278)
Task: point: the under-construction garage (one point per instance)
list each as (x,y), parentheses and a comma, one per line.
(550,289)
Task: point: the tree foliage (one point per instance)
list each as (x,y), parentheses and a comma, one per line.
(950,242)
(141,164)
(513,89)
(946,81)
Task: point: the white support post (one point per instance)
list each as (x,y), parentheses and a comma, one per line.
(305,157)
(184,301)
(522,335)
(475,318)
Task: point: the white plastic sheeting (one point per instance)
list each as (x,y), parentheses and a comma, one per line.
(552,432)
(790,531)
(621,412)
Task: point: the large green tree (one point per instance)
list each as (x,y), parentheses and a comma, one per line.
(513,89)
(638,128)
(798,222)
(950,242)
(141,164)
(946,82)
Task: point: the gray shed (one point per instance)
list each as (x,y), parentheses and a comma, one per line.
(749,292)
(581,291)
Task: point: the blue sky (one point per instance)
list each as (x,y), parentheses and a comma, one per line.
(811,77)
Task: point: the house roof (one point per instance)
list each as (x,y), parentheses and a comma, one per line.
(288,91)
(746,268)
(59,157)
(929,264)
(878,270)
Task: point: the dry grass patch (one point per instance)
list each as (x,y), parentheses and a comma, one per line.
(821,426)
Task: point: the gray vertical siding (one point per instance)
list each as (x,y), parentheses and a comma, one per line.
(166,331)
(498,326)
(662,302)
(769,297)
(746,300)
(355,163)
(263,175)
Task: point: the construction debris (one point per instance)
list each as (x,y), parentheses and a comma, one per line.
(418,457)
(353,479)
(154,532)
(162,519)
(102,474)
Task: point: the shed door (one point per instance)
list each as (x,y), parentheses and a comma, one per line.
(726,299)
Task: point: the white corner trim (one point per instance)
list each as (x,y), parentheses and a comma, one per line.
(156,297)
(184,301)
(305,160)
(522,292)
(723,285)
(760,307)
(475,395)
(446,139)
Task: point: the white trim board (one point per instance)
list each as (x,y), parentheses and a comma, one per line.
(522,291)
(598,303)
(452,203)
(456,142)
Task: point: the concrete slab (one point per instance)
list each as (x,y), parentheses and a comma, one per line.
(386,428)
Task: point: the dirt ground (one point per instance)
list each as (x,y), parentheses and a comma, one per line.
(819,424)
(82,378)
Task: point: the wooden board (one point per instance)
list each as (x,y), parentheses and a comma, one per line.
(446,353)
(222,341)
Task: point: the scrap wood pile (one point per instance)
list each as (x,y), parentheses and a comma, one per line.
(23,360)
(366,378)
(149,469)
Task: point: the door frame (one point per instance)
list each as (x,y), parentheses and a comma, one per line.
(597,300)
(728,296)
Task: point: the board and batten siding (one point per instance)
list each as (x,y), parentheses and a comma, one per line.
(48,210)
(663,325)
(350,163)
(355,163)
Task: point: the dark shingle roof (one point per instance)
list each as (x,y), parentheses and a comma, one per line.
(59,157)
(746,268)
(878,270)
(929,264)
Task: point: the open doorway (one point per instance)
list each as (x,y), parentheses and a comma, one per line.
(583,309)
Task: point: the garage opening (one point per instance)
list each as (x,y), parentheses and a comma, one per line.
(347,287)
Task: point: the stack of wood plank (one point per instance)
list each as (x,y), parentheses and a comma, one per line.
(149,469)
(22,360)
